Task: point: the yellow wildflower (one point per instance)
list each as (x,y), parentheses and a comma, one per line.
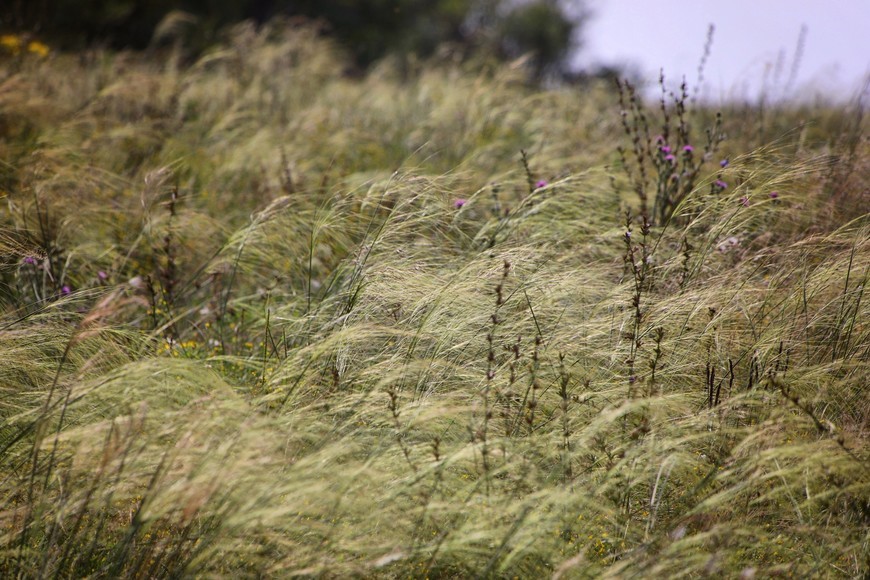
(38,48)
(11,42)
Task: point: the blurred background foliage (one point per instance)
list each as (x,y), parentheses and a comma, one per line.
(545,30)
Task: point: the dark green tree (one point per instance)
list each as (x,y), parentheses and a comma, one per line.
(542,30)
(369,29)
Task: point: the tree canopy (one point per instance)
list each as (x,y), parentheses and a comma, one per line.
(369,29)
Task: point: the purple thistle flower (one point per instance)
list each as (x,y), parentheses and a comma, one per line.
(102,275)
(670,157)
(721,184)
(30,260)
(665,149)
(660,139)
(744,201)
(541,183)
(723,164)
(459,203)
(774,194)
(66,290)
(688,148)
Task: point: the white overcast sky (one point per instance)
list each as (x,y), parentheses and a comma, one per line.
(750,36)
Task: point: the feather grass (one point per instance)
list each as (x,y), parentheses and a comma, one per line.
(260,318)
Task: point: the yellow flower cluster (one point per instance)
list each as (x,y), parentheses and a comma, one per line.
(38,48)
(13,44)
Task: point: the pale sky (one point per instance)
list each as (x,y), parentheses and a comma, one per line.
(750,36)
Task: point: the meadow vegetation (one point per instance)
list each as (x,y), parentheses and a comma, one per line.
(262,318)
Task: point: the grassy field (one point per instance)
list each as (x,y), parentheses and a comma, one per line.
(259,317)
